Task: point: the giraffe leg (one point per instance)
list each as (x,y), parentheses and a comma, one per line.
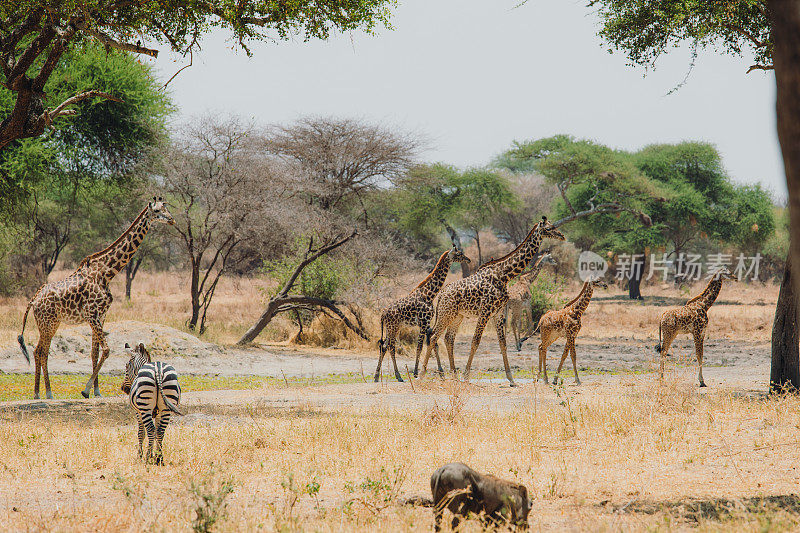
(544,344)
(95,354)
(669,336)
(515,331)
(388,345)
(449,344)
(476,340)
(97,336)
(37,361)
(162,420)
(381,353)
(423,331)
(392,350)
(561,363)
(500,325)
(40,356)
(574,357)
(432,343)
(699,337)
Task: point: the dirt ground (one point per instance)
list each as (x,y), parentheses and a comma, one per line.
(623,451)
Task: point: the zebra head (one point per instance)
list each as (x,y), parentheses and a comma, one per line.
(138,358)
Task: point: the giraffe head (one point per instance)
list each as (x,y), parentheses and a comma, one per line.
(723,274)
(158,210)
(599,282)
(549,231)
(138,357)
(457,256)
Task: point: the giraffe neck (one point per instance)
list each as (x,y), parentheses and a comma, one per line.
(580,305)
(513,266)
(709,296)
(432,284)
(110,261)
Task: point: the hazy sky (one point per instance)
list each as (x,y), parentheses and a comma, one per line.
(475,75)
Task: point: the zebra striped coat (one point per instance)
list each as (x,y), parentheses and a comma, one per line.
(155,394)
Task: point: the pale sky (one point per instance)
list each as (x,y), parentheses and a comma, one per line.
(475,75)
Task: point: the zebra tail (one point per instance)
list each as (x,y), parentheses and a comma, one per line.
(21,338)
(172,407)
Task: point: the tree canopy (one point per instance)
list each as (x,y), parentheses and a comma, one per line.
(646,29)
(35,35)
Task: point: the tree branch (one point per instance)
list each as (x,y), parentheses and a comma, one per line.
(60,110)
(310,258)
(108,41)
(759,67)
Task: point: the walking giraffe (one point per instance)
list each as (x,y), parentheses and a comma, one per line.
(566,323)
(416,309)
(84,295)
(691,318)
(519,300)
(482,295)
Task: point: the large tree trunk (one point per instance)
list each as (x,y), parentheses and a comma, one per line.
(785,21)
(785,371)
(635,280)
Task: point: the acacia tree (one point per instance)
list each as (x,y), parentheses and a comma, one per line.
(51,184)
(430,198)
(35,34)
(221,192)
(769,32)
(333,160)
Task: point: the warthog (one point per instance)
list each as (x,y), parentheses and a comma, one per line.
(457,487)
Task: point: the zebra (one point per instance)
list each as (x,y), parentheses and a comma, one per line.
(154,392)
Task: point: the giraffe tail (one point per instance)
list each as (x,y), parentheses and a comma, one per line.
(171,406)
(658,346)
(21,338)
(382,342)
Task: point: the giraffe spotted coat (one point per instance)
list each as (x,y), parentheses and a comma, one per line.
(691,318)
(84,296)
(482,295)
(518,309)
(566,323)
(416,309)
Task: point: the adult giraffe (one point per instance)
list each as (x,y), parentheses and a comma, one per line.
(84,295)
(483,294)
(416,309)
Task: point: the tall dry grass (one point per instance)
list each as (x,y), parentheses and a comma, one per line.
(590,459)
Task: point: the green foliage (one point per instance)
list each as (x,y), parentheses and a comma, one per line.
(210,505)
(432,197)
(324,278)
(646,29)
(545,291)
(81,179)
(682,187)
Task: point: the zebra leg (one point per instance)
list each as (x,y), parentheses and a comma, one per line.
(162,421)
(141,431)
(150,427)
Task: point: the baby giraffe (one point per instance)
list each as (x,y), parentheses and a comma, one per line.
(691,318)
(566,323)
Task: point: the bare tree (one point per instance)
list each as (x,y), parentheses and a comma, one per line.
(337,159)
(221,192)
(535,195)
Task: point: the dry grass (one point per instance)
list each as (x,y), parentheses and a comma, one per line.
(633,457)
(163,298)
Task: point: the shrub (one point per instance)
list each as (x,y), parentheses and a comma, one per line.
(546,293)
